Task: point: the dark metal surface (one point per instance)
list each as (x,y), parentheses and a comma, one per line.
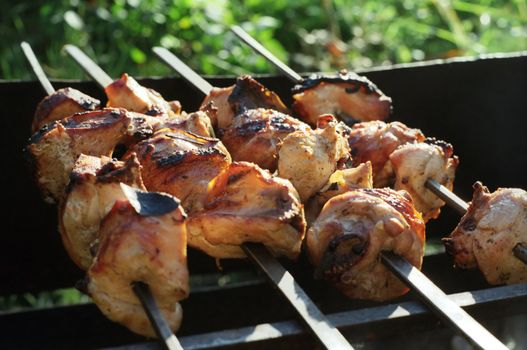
(520,251)
(157,320)
(448,196)
(255,45)
(319,325)
(89,66)
(185,71)
(434,297)
(37,68)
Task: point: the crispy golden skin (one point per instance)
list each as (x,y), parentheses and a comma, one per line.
(348,96)
(308,157)
(375,141)
(93,189)
(219,99)
(255,134)
(244,203)
(53,150)
(127,93)
(61,104)
(140,247)
(415,163)
(182,164)
(341,181)
(489,231)
(353,228)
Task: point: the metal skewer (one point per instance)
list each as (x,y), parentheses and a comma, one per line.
(141,290)
(317,322)
(428,292)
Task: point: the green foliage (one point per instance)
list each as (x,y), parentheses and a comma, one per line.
(43,299)
(310,36)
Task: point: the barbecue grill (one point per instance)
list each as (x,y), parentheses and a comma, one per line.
(474,104)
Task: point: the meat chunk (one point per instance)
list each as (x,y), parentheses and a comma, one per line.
(308,157)
(61,104)
(348,96)
(127,93)
(244,203)
(182,164)
(53,150)
(255,134)
(415,163)
(93,189)
(219,99)
(196,122)
(375,141)
(487,234)
(250,94)
(142,239)
(353,228)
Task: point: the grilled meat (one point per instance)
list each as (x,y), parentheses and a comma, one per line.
(255,134)
(54,149)
(375,141)
(182,164)
(197,123)
(61,104)
(415,163)
(93,189)
(142,239)
(348,96)
(308,157)
(345,241)
(488,232)
(244,203)
(250,94)
(127,93)
(219,99)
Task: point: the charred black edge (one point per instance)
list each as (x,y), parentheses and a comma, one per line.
(176,135)
(342,77)
(258,96)
(445,146)
(253,125)
(150,203)
(82,285)
(86,102)
(178,157)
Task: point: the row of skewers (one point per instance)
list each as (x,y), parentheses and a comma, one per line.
(328,170)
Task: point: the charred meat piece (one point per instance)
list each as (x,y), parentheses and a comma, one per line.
(345,241)
(246,204)
(219,98)
(487,234)
(348,96)
(197,123)
(182,164)
(375,141)
(53,150)
(127,93)
(61,104)
(250,94)
(341,181)
(142,239)
(255,135)
(415,163)
(308,157)
(93,189)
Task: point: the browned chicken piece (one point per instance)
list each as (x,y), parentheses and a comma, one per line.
(197,123)
(375,141)
(250,94)
(219,99)
(93,189)
(415,163)
(348,96)
(142,239)
(127,93)
(255,135)
(61,104)
(353,228)
(308,157)
(487,234)
(182,164)
(54,149)
(245,203)
(341,181)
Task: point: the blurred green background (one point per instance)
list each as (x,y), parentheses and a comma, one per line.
(310,35)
